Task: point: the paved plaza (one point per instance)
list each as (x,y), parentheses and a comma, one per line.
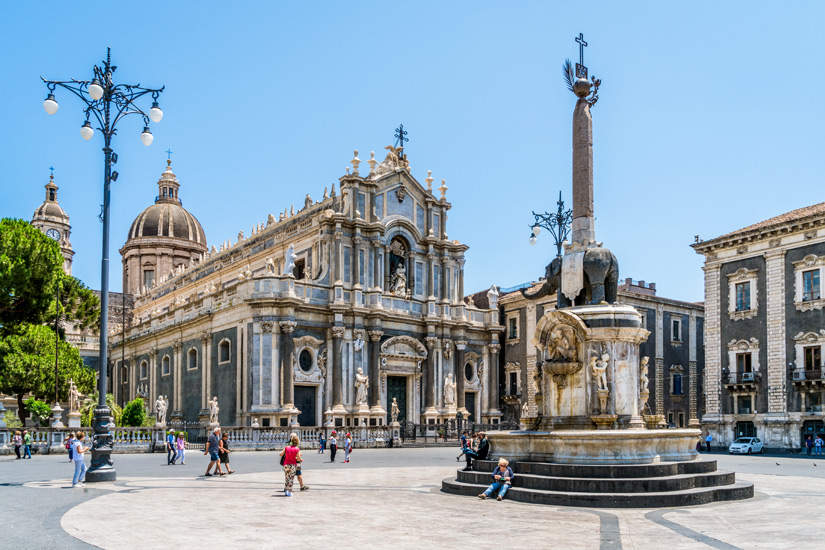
(384,498)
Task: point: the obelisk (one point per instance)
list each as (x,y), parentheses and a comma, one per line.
(582,228)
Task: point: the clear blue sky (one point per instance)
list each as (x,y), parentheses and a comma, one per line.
(709,120)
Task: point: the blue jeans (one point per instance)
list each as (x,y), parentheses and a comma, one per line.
(497,485)
(27,451)
(79,472)
(171,455)
(346,453)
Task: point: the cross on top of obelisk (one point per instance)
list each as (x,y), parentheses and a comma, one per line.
(581,70)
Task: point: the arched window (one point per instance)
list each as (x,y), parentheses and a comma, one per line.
(144,370)
(165,366)
(192,359)
(224,352)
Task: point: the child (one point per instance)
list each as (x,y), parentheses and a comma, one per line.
(502,480)
(181,447)
(347,447)
(224,452)
(321,444)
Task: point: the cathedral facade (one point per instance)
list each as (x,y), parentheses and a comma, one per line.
(325,316)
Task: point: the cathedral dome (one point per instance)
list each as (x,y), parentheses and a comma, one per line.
(167,217)
(163,239)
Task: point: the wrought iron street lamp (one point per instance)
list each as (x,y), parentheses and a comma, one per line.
(107,102)
(558,224)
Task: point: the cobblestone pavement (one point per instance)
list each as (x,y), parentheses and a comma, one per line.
(384,498)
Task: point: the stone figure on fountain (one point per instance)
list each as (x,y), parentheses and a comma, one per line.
(643,377)
(599,366)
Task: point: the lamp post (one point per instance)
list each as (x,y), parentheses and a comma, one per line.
(558,224)
(107,102)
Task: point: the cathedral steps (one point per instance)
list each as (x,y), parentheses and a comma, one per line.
(631,486)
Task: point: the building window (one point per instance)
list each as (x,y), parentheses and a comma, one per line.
(810,285)
(192,359)
(144,370)
(745,404)
(347,264)
(300,269)
(224,355)
(165,366)
(743,296)
(469,371)
(681,417)
(305,360)
(513,386)
(743,362)
(670,422)
(512,328)
(813,357)
(419,279)
(436,282)
(676,383)
(676,330)
(148,278)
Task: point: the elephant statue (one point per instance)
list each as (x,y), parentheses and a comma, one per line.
(601,279)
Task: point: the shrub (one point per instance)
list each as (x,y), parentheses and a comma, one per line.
(11,420)
(40,411)
(134,413)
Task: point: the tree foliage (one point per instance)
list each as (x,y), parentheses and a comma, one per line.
(87,410)
(134,413)
(27,363)
(39,411)
(78,304)
(30,267)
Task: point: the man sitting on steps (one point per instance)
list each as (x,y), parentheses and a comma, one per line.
(479,454)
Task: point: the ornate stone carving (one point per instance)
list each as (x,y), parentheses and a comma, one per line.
(358,341)
(449,391)
(321,360)
(338,332)
(213,410)
(400,193)
(287,326)
(643,368)
(494,348)
(307,341)
(375,335)
(448,349)
(431,342)
(267,326)
(398,285)
(270,266)
(404,347)
(289,261)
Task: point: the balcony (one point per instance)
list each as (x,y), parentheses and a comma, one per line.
(745,382)
(806,380)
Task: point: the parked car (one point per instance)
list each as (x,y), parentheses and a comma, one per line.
(746,446)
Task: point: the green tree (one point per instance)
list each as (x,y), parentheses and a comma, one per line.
(30,267)
(27,365)
(134,413)
(87,410)
(78,304)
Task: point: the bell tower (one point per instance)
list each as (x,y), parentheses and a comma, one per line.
(52,220)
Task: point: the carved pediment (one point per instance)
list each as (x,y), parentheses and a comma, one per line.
(744,345)
(404,347)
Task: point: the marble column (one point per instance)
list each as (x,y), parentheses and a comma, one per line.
(287,349)
(492,378)
(337,367)
(429,373)
(375,352)
(460,346)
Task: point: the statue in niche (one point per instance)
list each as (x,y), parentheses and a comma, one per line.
(394,410)
(358,343)
(362,382)
(561,345)
(525,410)
(74,397)
(160,409)
(289,260)
(213,410)
(599,368)
(398,286)
(643,368)
(449,391)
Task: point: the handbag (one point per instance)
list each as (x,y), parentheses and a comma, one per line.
(283,459)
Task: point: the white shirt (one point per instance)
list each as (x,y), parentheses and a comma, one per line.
(77,456)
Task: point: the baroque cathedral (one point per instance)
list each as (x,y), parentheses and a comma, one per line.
(325,316)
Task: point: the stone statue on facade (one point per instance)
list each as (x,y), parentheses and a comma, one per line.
(599,368)
(399,280)
(213,410)
(643,368)
(74,397)
(270,266)
(525,410)
(358,343)
(561,346)
(160,409)
(449,391)
(362,382)
(289,260)
(394,410)
(240,236)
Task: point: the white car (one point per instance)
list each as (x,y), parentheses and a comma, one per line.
(746,446)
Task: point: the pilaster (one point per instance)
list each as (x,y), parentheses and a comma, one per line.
(776,347)
(713,346)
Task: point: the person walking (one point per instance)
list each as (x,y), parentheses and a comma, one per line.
(79,464)
(213,445)
(708,439)
(292,456)
(180,446)
(171,450)
(502,480)
(223,452)
(321,444)
(347,447)
(809,443)
(464,445)
(17,441)
(298,474)
(333,446)
(27,444)
(818,445)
